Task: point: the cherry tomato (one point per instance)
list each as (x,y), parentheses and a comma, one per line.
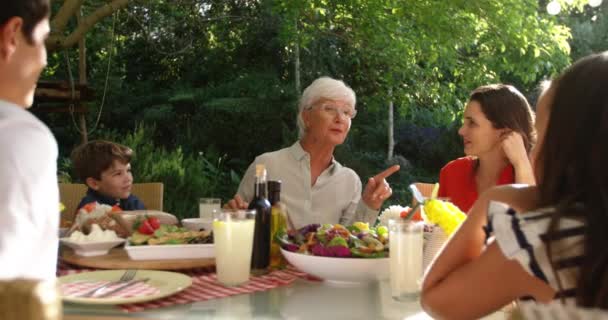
(405,212)
(89,206)
(417,215)
(145,227)
(154,222)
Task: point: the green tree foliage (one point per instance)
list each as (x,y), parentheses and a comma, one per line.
(186,177)
(218,77)
(589,30)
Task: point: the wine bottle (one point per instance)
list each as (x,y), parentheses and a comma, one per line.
(278,221)
(260,258)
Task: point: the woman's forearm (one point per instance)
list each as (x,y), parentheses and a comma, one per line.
(466,244)
(524,173)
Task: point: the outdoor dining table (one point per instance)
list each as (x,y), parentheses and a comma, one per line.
(301,299)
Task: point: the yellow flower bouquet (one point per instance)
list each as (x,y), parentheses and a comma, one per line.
(442,213)
(442,219)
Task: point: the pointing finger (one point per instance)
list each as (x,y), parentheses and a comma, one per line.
(386,173)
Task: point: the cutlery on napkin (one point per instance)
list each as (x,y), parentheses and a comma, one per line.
(121,288)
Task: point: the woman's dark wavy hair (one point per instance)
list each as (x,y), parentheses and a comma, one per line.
(573,168)
(507,108)
(31,11)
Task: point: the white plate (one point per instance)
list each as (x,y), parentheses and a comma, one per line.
(196,224)
(170,251)
(167,282)
(340,271)
(89,249)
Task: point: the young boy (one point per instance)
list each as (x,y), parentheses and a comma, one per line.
(29,196)
(105,168)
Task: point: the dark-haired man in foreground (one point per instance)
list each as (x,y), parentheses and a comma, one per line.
(29,197)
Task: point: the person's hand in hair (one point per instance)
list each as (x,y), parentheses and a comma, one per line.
(515,150)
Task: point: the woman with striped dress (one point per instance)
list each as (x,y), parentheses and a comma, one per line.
(546,242)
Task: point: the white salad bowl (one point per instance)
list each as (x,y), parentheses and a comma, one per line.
(91,248)
(340,271)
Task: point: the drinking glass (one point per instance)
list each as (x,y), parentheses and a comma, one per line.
(233,241)
(405,247)
(206,206)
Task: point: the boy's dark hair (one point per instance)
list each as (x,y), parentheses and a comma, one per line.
(31,11)
(91,159)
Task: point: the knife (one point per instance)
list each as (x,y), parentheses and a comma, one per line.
(121,288)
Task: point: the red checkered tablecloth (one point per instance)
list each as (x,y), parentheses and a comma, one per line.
(204,286)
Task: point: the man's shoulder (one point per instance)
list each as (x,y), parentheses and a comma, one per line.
(27,145)
(10,113)
(19,125)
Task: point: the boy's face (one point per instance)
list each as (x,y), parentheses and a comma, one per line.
(115,182)
(21,61)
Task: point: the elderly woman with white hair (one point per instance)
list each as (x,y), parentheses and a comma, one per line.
(316,188)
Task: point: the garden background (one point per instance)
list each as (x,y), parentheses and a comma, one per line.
(199,88)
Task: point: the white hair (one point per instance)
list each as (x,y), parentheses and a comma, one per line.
(323,88)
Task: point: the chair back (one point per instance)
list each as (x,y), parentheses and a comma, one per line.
(425,188)
(150,193)
(70,194)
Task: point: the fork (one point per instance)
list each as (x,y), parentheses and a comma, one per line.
(123,287)
(126,277)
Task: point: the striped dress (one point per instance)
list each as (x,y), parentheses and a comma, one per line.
(523,237)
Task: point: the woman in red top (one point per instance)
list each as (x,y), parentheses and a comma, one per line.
(498,133)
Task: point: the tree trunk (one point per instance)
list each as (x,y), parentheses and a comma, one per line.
(57,40)
(297,62)
(391,140)
(82,80)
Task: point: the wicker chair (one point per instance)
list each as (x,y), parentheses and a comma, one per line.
(70,195)
(151,194)
(425,188)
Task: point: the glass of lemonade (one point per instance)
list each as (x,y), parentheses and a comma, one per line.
(206,206)
(405,247)
(233,239)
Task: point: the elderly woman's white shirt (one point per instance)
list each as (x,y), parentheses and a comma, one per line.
(29,196)
(334,198)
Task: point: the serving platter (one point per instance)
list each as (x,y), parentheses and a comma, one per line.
(117,258)
(171,251)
